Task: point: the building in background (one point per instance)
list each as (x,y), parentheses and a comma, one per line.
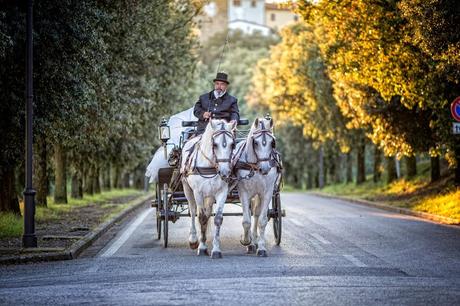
(277,16)
(245,15)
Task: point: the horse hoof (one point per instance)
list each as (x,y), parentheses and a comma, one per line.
(194,245)
(262,253)
(203,252)
(243,243)
(216,255)
(251,249)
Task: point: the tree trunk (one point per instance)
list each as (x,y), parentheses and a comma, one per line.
(139,177)
(338,168)
(106,177)
(117,180)
(60,190)
(377,164)
(391,169)
(126,180)
(77,184)
(349,178)
(95,179)
(435,168)
(360,159)
(321,168)
(8,198)
(310,179)
(411,166)
(40,174)
(457,159)
(88,186)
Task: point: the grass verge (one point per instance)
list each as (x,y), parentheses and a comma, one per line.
(110,202)
(11,225)
(418,194)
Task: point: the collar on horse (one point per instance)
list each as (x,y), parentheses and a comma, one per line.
(208,172)
(274,157)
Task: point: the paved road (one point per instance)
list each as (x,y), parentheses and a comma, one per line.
(332,252)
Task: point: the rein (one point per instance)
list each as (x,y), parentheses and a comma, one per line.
(253,167)
(210,172)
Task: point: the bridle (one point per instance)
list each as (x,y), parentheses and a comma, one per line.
(210,172)
(226,133)
(264,133)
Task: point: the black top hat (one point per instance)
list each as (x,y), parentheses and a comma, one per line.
(221,76)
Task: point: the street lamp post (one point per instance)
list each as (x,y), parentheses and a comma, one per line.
(29,239)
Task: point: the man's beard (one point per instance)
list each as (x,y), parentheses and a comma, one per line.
(219,92)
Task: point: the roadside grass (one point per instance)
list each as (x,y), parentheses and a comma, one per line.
(53,210)
(12,225)
(418,193)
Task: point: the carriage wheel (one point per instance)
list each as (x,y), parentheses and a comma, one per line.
(166,211)
(277,219)
(158,210)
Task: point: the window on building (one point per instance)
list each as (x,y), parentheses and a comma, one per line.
(272,17)
(253,3)
(236,2)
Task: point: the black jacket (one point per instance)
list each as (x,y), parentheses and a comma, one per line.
(225,107)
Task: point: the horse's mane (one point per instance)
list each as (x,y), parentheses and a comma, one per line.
(206,138)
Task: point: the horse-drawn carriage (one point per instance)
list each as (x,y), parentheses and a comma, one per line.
(171,201)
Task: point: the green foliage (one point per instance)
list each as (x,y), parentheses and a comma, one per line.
(385,81)
(11,225)
(104,74)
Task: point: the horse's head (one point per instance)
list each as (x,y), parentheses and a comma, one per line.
(223,142)
(261,143)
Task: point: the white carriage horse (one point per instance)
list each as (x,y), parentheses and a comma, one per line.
(206,169)
(257,165)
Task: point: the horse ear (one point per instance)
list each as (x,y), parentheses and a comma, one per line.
(271,123)
(256,123)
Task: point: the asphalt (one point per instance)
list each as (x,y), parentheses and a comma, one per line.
(332,252)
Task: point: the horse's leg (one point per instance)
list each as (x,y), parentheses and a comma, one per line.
(192,239)
(255,209)
(218,219)
(203,219)
(263,220)
(245,201)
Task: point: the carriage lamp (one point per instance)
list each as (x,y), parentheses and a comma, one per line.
(164,131)
(165,134)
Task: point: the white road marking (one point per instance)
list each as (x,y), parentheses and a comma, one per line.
(297,223)
(355,261)
(125,236)
(320,238)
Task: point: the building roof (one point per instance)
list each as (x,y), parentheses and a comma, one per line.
(279,6)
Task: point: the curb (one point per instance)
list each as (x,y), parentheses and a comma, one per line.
(400,210)
(82,244)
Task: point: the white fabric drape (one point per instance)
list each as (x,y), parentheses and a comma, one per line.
(175,125)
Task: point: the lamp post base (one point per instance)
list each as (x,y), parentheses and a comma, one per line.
(29,241)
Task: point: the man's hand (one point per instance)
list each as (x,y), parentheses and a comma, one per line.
(207,115)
